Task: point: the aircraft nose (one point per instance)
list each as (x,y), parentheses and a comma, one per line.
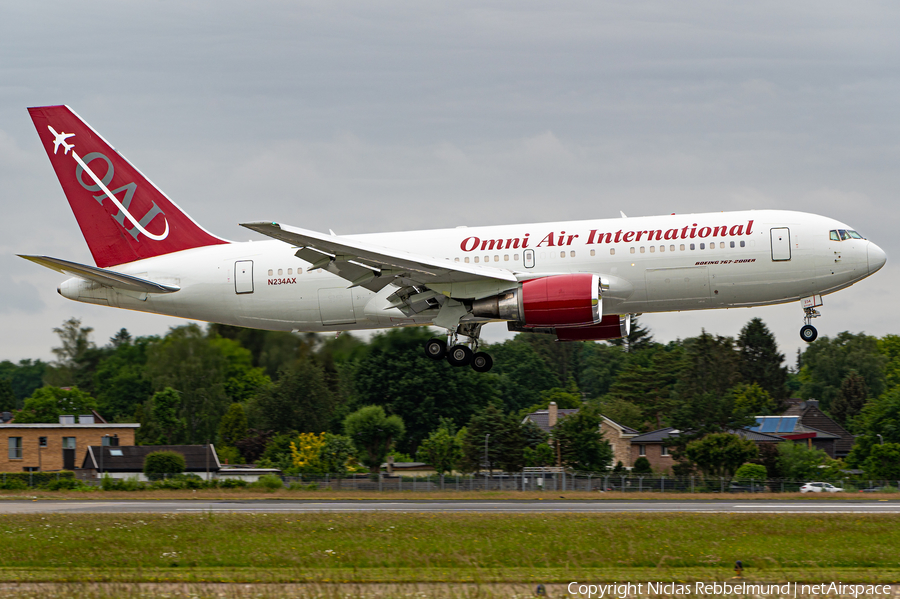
(877,257)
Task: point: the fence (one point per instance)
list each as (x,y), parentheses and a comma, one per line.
(568,481)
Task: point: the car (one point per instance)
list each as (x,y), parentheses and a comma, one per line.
(741,488)
(875,490)
(820,488)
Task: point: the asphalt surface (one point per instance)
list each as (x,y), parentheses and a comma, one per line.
(486,507)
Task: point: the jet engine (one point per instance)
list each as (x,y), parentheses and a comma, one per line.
(571,300)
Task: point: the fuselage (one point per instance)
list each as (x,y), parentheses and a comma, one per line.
(656,264)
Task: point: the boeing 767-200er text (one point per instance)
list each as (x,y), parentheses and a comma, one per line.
(576,280)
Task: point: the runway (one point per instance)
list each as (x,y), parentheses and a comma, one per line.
(466,506)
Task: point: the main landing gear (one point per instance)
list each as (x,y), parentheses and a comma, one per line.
(460,354)
(808,332)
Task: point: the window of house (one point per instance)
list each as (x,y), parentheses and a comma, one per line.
(42,441)
(116,453)
(68,442)
(642,449)
(663,450)
(15,448)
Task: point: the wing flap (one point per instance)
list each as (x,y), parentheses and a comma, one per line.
(349,259)
(99,275)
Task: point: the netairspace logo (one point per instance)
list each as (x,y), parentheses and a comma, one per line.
(622,590)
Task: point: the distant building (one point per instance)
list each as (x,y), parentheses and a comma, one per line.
(654,445)
(618,436)
(48,447)
(815,419)
(128,461)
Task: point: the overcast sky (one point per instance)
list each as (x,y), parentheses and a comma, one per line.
(379,116)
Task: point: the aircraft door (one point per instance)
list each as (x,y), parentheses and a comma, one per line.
(336,306)
(243,276)
(781,244)
(528,258)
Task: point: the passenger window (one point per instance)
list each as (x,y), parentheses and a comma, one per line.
(497,258)
(732,244)
(476,259)
(270,272)
(466,259)
(280,272)
(572,254)
(662,248)
(721,245)
(652,249)
(516,257)
(681,247)
(742,244)
(672,248)
(692,246)
(642,249)
(487,258)
(632,249)
(702,246)
(562,254)
(506,257)
(456,259)
(290,271)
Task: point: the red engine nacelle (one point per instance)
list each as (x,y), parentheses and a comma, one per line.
(556,301)
(612,326)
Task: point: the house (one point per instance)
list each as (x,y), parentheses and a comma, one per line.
(791,428)
(654,445)
(128,461)
(53,446)
(813,417)
(617,435)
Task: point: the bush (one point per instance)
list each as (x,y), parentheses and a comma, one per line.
(642,466)
(268,481)
(751,472)
(38,479)
(109,483)
(160,464)
(231,483)
(14,484)
(65,484)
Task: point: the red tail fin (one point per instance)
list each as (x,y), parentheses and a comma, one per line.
(122,215)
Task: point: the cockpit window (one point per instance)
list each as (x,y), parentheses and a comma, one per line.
(844,234)
(855,235)
(833,235)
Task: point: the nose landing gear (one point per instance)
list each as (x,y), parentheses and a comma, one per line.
(460,354)
(808,332)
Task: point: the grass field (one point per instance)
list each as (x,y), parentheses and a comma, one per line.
(500,548)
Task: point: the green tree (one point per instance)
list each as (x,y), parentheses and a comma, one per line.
(233,426)
(796,461)
(8,398)
(883,462)
(648,381)
(373,432)
(881,416)
(720,454)
(712,367)
(760,361)
(504,446)
(337,453)
(299,401)
(581,444)
(752,400)
(160,464)
(166,422)
(539,456)
(827,362)
(851,398)
(397,375)
(442,450)
(75,344)
(25,377)
(47,404)
(750,471)
(598,367)
(119,381)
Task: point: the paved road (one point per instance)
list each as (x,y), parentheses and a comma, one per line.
(512,506)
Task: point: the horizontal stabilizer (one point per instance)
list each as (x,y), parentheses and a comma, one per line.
(101,276)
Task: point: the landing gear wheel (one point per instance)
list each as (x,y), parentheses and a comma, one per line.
(459,355)
(808,333)
(436,349)
(481,362)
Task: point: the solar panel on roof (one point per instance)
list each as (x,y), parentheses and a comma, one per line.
(787,424)
(759,421)
(770,425)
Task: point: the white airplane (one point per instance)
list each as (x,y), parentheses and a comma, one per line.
(577,280)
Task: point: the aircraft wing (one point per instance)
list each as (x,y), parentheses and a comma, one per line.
(100,275)
(373,266)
